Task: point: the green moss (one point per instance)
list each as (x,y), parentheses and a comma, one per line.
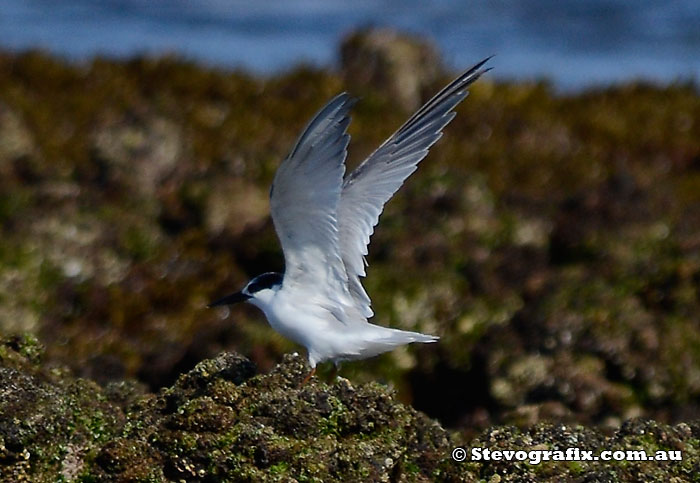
(279,469)
(334,422)
(28,346)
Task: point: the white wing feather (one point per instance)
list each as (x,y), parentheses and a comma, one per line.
(374,182)
(304,199)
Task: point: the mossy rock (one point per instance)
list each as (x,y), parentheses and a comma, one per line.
(550,240)
(221,422)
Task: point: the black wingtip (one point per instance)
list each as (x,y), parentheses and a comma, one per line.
(467,78)
(476,71)
(475,68)
(478,65)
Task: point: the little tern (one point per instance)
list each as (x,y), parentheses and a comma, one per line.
(324,222)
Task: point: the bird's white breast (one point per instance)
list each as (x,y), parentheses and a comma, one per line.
(308,322)
(300,320)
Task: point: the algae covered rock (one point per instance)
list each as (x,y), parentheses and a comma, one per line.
(49,421)
(218,422)
(550,239)
(137,152)
(16,140)
(401,65)
(556,235)
(630,454)
(222,422)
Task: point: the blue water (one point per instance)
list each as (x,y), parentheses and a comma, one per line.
(574,43)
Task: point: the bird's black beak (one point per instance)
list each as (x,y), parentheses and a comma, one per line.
(234,298)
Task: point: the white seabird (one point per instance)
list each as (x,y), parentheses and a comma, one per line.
(324,223)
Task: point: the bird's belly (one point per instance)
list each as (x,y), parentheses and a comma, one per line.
(315,327)
(302,326)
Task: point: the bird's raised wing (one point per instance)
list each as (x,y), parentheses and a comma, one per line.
(304,199)
(374,182)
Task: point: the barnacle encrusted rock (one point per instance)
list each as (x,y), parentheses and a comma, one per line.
(221,422)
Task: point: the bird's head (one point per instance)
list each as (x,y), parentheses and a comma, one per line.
(259,291)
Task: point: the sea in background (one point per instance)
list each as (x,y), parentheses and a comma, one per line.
(575,44)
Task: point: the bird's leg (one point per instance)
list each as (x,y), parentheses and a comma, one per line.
(306,379)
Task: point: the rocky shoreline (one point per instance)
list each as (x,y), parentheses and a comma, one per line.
(222,422)
(550,240)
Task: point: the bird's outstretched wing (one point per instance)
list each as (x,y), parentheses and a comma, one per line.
(374,182)
(304,199)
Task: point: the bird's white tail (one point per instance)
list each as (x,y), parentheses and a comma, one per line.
(384,339)
(406,337)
